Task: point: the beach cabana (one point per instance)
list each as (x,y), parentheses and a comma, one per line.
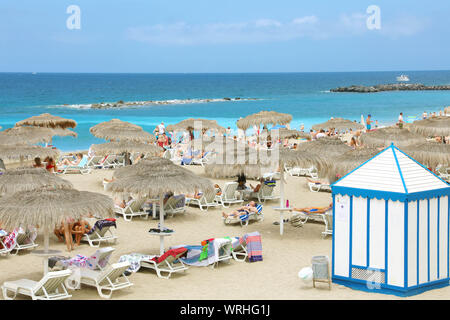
(390,232)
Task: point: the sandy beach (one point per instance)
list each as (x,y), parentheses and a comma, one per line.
(273,278)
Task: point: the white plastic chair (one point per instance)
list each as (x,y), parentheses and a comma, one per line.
(132,209)
(228,195)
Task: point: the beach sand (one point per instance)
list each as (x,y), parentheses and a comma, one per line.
(273,278)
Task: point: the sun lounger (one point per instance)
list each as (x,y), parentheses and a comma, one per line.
(174,205)
(100,232)
(244,219)
(50,287)
(297,171)
(264,193)
(96,162)
(23,242)
(82,167)
(316,186)
(165,263)
(249,246)
(300,218)
(442,173)
(110,279)
(132,209)
(223,249)
(203,160)
(208,199)
(228,195)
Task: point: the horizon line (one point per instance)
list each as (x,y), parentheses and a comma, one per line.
(250,72)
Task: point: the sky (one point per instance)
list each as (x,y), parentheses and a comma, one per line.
(201,36)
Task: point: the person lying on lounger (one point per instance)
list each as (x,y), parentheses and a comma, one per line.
(317,181)
(75,162)
(247,209)
(314,209)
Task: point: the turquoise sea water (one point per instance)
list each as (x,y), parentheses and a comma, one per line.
(304,95)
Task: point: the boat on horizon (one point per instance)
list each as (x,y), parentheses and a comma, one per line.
(403,78)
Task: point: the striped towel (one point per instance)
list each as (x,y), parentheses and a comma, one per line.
(254,246)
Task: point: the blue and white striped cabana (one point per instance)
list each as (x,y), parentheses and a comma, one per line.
(391,226)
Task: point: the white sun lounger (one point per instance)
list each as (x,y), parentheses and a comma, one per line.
(317,186)
(208,199)
(300,218)
(110,279)
(50,287)
(132,209)
(173,205)
(252,216)
(228,195)
(165,266)
(264,193)
(21,243)
(223,251)
(239,251)
(82,167)
(98,236)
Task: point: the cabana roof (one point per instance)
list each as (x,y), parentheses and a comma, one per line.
(391,174)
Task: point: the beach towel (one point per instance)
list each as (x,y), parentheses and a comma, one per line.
(100,224)
(253,245)
(81,261)
(270,183)
(10,240)
(170,252)
(3,233)
(221,244)
(135,260)
(193,255)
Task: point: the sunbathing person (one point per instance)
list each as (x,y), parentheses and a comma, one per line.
(38,163)
(247,209)
(51,165)
(196,195)
(75,162)
(64,233)
(218,190)
(258,186)
(122,203)
(314,209)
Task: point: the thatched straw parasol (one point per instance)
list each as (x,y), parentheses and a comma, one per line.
(265,118)
(26,179)
(439,126)
(49,121)
(48,208)
(146,165)
(155,181)
(344,163)
(339,124)
(324,147)
(124,146)
(22,152)
(288,134)
(430,154)
(385,136)
(192,124)
(25,135)
(118,130)
(64,133)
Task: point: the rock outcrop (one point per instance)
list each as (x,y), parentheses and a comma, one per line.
(390,87)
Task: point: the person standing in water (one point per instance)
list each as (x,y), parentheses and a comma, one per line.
(369,122)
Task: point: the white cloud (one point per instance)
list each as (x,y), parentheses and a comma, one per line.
(270,30)
(258,31)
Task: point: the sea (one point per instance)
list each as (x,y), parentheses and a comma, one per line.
(306,96)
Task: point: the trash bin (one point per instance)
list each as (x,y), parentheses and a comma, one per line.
(321,271)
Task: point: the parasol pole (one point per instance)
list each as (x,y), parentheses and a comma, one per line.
(161,223)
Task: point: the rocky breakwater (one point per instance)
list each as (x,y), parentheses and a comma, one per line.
(390,87)
(122,104)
